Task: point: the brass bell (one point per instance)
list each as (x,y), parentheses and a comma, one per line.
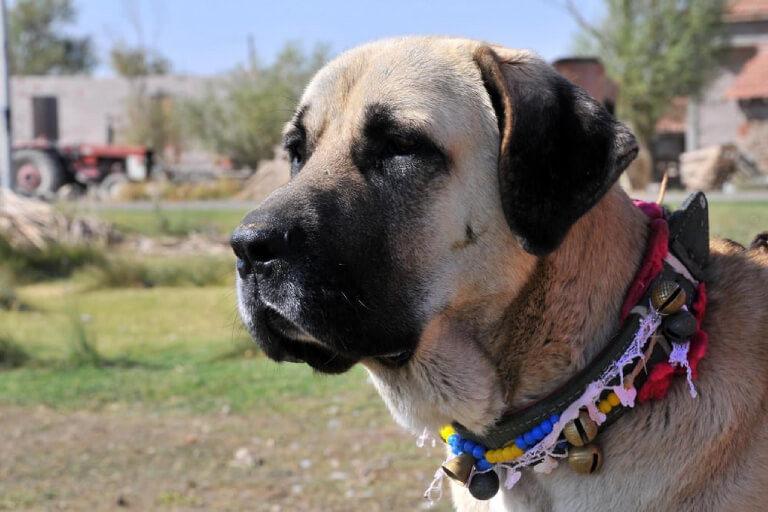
(459,468)
(667,297)
(580,431)
(585,459)
(679,327)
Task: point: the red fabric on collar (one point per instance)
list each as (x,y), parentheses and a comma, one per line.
(655,252)
(660,375)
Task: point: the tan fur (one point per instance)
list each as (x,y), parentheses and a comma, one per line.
(505,327)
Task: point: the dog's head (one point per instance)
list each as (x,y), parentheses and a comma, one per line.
(428,177)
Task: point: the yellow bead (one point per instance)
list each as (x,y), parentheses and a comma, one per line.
(490,456)
(604,406)
(613,399)
(510,453)
(446,432)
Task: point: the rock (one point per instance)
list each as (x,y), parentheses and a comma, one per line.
(243,459)
(28,222)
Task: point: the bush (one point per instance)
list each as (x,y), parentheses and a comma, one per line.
(8,299)
(244,116)
(12,355)
(125,273)
(29,264)
(82,350)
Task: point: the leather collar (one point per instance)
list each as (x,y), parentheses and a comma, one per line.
(685,264)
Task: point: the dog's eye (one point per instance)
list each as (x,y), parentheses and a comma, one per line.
(297,155)
(400,146)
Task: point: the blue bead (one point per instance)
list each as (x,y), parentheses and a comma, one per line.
(529,439)
(546,426)
(456,450)
(240,264)
(538,433)
(554,419)
(453,439)
(520,443)
(478,452)
(468,446)
(483,464)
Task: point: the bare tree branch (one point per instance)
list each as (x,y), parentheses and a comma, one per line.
(584,24)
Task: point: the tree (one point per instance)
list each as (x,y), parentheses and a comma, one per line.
(132,62)
(654,50)
(244,117)
(151,119)
(37,44)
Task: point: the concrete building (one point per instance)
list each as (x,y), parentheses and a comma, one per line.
(739,93)
(733,108)
(84,108)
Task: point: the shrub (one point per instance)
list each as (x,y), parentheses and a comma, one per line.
(82,350)
(29,264)
(8,299)
(12,355)
(125,273)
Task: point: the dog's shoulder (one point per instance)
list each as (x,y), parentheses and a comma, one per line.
(737,312)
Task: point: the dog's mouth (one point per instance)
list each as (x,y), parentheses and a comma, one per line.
(298,346)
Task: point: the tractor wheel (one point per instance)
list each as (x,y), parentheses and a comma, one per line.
(112,185)
(36,173)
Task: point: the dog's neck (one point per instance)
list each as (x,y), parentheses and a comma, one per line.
(569,308)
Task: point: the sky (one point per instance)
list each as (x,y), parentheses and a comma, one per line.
(210,36)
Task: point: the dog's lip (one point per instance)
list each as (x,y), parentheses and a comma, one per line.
(279,324)
(289,345)
(395,359)
(298,346)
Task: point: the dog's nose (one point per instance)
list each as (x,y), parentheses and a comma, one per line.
(259,241)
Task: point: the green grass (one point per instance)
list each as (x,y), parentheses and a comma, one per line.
(738,221)
(186,346)
(242,385)
(121,271)
(172,222)
(154,326)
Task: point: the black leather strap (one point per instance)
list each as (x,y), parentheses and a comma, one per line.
(689,234)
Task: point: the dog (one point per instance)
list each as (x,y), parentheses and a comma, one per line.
(453,223)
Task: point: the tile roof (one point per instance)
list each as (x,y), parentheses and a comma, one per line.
(745,10)
(752,81)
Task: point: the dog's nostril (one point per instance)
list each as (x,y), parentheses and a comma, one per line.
(262,251)
(242,267)
(294,238)
(257,246)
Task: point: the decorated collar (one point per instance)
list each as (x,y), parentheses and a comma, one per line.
(660,336)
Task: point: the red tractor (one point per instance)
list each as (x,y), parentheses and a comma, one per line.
(41,167)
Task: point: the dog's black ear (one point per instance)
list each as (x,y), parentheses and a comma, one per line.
(560,149)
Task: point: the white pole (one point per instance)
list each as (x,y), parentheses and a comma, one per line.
(5,105)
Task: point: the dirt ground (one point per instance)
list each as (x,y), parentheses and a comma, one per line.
(134,460)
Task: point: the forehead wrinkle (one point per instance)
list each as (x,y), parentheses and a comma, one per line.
(441,97)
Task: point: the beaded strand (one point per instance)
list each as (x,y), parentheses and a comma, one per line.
(485,458)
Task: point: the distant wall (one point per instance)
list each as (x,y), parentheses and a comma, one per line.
(87,104)
(719,118)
